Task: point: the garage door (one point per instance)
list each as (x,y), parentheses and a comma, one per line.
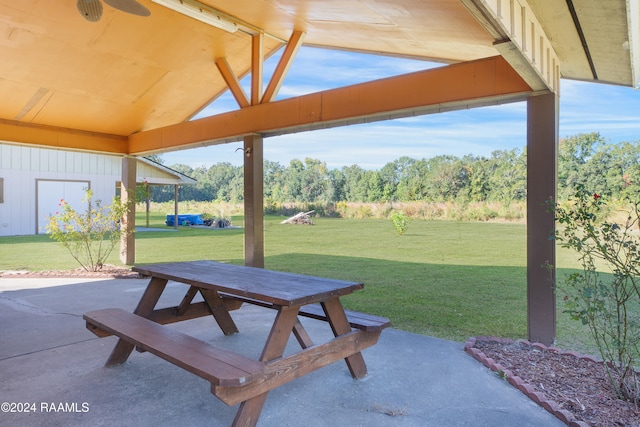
(49,194)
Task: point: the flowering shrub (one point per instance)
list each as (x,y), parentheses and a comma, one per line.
(605,294)
(90,236)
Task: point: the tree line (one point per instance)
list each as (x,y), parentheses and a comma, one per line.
(610,169)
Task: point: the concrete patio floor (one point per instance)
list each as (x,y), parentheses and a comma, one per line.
(49,361)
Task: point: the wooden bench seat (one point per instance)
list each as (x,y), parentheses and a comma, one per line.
(363,321)
(219,366)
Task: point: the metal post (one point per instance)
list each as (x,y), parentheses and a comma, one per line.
(175,206)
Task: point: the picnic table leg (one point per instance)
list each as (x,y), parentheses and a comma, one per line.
(340,325)
(123,349)
(301,335)
(286,318)
(186,301)
(219,311)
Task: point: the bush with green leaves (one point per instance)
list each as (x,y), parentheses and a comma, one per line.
(89,236)
(604,295)
(400,221)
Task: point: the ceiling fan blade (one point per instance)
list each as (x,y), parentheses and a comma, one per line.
(91,10)
(129,6)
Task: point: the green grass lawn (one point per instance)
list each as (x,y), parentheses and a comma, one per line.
(451,280)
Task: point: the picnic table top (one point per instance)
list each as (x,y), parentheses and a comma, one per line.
(280,288)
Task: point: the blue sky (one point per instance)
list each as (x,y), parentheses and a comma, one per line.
(584,107)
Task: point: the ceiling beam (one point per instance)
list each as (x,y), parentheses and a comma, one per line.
(465,85)
(520,39)
(55,137)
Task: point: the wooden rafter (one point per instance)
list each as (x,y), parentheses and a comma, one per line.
(284,64)
(257,63)
(232,82)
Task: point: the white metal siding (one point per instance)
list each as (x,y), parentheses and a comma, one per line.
(155,175)
(21,166)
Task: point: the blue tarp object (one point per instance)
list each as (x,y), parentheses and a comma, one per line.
(185,219)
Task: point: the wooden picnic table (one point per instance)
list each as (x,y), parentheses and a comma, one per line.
(225,287)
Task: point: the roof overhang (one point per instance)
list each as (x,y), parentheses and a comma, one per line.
(595,41)
(75,84)
(150,172)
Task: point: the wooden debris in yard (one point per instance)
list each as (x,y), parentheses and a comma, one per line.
(299,218)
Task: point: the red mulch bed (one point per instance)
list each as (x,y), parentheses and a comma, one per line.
(575,388)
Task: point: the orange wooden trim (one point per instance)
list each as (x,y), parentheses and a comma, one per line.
(257,63)
(232,82)
(458,86)
(283,66)
(50,136)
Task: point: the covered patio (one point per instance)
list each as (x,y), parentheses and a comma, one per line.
(121,80)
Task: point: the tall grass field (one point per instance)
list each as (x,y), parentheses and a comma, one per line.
(446,279)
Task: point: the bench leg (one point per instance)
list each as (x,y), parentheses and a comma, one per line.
(123,349)
(340,325)
(120,353)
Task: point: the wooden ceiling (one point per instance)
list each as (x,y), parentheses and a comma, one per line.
(127,74)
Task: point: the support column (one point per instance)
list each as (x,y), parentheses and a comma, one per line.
(175,206)
(127,196)
(253,201)
(542,175)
